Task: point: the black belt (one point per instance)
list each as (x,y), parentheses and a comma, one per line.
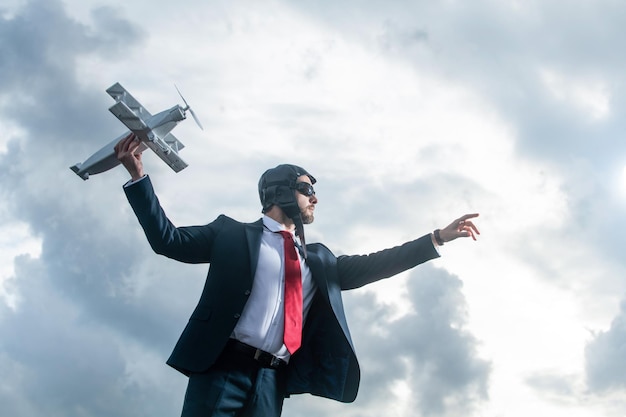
(265,359)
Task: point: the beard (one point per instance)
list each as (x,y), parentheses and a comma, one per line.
(306,217)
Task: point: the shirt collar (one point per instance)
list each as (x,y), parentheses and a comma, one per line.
(272,225)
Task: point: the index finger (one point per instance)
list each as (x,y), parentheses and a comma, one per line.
(467,216)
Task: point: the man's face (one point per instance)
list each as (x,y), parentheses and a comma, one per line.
(306,203)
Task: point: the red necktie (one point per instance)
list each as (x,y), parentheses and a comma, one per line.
(293,295)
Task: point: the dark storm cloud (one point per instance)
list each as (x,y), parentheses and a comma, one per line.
(40,47)
(428,347)
(58,360)
(79,244)
(75,309)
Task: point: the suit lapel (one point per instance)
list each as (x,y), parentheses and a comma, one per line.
(317,269)
(254,231)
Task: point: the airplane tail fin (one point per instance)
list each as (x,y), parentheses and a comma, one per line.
(76,169)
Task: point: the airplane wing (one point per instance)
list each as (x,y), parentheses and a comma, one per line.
(120,94)
(167,150)
(129,118)
(134,116)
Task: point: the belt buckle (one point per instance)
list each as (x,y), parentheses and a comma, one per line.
(275,362)
(267,359)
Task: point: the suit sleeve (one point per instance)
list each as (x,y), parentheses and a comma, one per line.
(358,270)
(186,244)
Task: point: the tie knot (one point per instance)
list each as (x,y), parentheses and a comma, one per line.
(289,245)
(286,234)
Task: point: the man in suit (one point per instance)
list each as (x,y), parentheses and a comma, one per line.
(270,319)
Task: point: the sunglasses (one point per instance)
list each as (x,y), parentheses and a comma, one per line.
(305,188)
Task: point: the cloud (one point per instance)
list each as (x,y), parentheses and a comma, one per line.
(69,340)
(604,355)
(429,351)
(407,113)
(554,79)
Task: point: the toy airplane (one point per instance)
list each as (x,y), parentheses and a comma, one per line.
(153,131)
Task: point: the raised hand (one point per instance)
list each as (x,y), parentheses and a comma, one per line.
(461,227)
(127,153)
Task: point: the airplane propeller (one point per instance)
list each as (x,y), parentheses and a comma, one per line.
(189,108)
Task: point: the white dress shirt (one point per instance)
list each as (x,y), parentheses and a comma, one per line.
(262,321)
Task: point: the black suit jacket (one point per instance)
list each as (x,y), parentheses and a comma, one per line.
(326,364)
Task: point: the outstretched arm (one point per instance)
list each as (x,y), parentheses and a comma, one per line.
(461,227)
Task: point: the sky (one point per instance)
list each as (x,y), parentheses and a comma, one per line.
(408,113)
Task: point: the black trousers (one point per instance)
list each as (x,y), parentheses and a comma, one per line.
(235,386)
